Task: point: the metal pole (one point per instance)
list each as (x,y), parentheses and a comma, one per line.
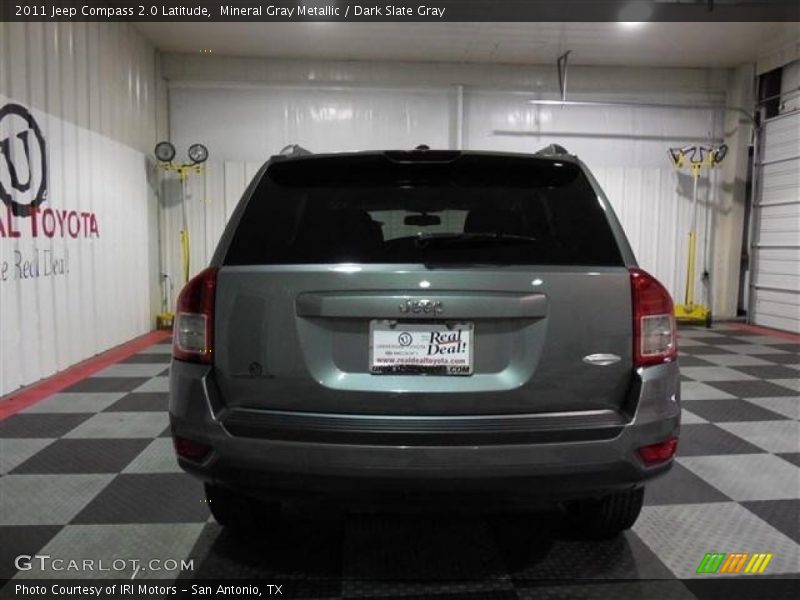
(755,218)
(185,229)
(692,243)
(708,217)
(562,64)
(459,117)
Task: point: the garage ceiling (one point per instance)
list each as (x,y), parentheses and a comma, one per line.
(646,44)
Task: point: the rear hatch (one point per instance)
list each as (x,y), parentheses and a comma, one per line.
(420,284)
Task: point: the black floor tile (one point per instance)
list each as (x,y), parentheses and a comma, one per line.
(752,389)
(702,350)
(681,486)
(706,439)
(742,332)
(781,359)
(21,540)
(770,372)
(792,457)
(145,358)
(83,456)
(141,402)
(794,348)
(41,425)
(107,384)
(693,361)
(716,339)
(148,498)
(783,515)
(730,410)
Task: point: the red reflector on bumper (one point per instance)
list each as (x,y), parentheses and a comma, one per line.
(190,449)
(658,453)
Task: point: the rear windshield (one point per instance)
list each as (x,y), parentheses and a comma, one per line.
(473,209)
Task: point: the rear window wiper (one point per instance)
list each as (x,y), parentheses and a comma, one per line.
(424,240)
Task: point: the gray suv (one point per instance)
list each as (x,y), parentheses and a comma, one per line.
(388,325)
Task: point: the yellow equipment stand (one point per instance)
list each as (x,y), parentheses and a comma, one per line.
(165,153)
(697,158)
(183,172)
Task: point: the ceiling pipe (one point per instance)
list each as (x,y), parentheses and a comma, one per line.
(737,109)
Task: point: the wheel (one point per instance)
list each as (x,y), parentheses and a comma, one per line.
(608,516)
(239,512)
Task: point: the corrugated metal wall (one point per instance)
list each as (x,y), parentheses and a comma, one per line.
(626,149)
(776,264)
(93,89)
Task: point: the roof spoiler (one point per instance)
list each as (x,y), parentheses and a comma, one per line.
(552,150)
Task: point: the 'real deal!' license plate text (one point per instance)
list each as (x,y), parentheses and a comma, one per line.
(421,348)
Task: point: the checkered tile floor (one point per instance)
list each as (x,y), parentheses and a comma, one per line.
(90,473)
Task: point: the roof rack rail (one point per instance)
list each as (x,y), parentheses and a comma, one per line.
(294,150)
(552,149)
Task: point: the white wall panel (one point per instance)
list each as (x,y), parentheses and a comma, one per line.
(253,122)
(92,90)
(636,82)
(601,136)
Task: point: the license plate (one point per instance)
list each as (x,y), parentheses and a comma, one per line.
(397,347)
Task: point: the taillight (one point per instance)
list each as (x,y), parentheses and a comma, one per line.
(186,448)
(660,452)
(193,331)
(654,339)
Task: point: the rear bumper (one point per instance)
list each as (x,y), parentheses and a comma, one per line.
(567,455)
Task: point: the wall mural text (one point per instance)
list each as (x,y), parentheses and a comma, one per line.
(23,191)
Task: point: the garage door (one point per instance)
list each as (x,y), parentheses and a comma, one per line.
(776,282)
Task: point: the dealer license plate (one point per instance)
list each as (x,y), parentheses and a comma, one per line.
(398,347)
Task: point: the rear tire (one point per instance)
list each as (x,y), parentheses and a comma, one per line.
(238,512)
(608,516)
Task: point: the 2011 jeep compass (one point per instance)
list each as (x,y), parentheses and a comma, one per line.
(389,323)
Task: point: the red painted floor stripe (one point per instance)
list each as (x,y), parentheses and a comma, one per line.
(17,401)
(776,333)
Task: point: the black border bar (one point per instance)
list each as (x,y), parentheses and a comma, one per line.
(293,586)
(400,10)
